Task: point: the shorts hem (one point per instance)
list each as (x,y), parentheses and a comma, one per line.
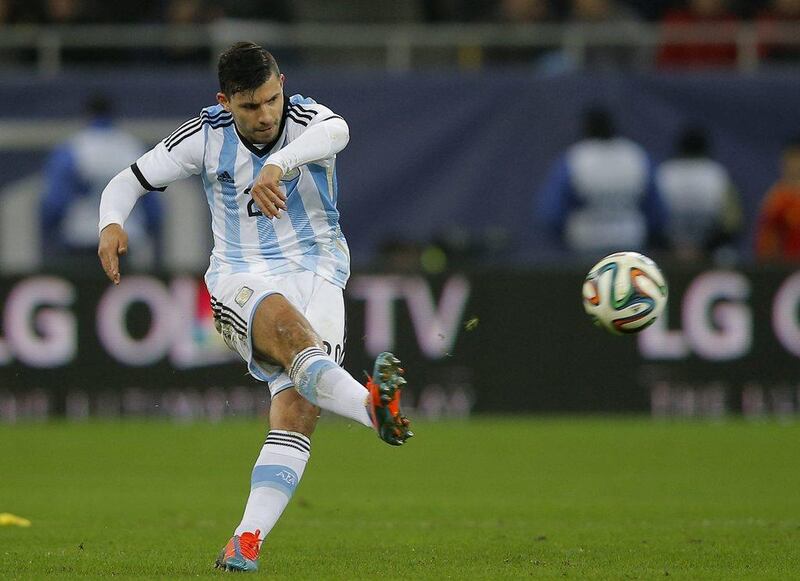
(254,368)
(281,390)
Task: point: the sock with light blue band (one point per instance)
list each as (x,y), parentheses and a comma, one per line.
(275,477)
(307,370)
(318,378)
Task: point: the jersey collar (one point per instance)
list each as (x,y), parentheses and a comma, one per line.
(267,149)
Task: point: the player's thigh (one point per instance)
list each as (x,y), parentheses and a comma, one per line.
(280,331)
(235,300)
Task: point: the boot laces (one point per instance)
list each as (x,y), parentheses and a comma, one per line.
(249,544)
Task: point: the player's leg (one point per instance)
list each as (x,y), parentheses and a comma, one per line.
(258,318)
(276,474)
(326,313)
(282,334)
(281,463)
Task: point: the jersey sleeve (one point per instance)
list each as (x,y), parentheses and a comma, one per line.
(304,112)
(178,156)
(768,227)
(316,134)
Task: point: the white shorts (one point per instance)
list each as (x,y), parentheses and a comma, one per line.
(234,300)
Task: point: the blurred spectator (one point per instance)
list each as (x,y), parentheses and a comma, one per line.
(651,9)
(604,12)
(778,229)
(57,12)
(601,196)
(185,12)
(598,11)
(713,15)
(75,176)
(275,10)
(457,10)
(523,11)
(50,11)
(7,15)
(778,12)
(65,12)
(516,13)
(703,205)
(141,11)
(10,14)
(180,13)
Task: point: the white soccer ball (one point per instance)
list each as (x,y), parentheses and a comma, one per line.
(624,293)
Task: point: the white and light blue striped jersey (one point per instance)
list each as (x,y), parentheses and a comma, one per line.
(697,193)
(306,237)
(601,196)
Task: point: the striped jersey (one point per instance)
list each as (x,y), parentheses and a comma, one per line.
(306,237)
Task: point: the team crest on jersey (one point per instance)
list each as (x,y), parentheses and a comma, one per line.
(243,295)
(291,174)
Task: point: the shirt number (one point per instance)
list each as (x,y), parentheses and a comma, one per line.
(252,209)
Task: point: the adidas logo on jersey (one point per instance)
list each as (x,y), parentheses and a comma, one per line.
(225,177)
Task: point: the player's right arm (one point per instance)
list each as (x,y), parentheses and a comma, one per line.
(769,225)
(176,157)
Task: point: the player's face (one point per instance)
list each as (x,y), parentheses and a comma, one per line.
(257,114)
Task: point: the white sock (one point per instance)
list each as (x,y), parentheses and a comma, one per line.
(275,476)
(322,382)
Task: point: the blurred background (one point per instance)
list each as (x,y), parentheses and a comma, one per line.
(498,149)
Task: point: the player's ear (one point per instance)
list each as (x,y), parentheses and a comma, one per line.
(222,99)
(283,78)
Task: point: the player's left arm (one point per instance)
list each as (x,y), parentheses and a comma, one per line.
(326,135)
(768,225)
(153,171)
(655,210)
(555,199)
(61,189)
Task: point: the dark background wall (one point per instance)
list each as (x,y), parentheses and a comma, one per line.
(437,150)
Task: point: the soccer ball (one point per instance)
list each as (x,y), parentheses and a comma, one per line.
(624,293)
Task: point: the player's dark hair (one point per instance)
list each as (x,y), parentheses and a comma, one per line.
(598,124)
(98,105)
(244,67)
(792,143)
(693,142)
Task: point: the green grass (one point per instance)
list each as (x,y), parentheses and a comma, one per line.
(491,498)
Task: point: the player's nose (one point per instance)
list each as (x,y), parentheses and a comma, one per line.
(263,114)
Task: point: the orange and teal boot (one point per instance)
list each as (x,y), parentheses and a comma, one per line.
(240,554)
(385,387)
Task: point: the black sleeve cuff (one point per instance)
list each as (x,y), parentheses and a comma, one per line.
(145,184)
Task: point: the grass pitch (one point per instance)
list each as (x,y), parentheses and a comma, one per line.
(489,498)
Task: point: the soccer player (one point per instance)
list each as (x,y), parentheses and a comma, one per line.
(279,264)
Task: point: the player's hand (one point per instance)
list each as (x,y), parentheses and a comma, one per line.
(113,244)
(266,191)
